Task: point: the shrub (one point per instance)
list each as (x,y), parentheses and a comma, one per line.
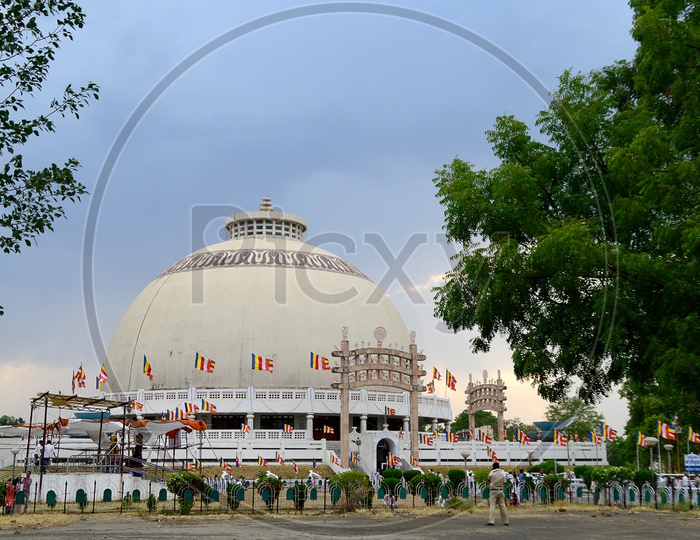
(274,485)
(456,477)
(601,475)
(585,472)
(356,487)
(640,477)
(300,492)
(151,503)
(481,475)
(392,473)
(432,484)
(409,475)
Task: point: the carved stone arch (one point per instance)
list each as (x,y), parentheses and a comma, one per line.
(487,396)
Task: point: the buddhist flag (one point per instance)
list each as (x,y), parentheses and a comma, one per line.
(191,408)
(328,429)
(393,460)
(238,461)
(436,374)
(451,381)
(208,407)
(431,387)
(80,376)
(452,437)
(425,439)
(295,466)
(667,431)
(319,362)
(313,463)
(353,457)
(261,363)
(226,466)
(641,439)
(245,428)
(135,405)
(147,369)
(414,461)
(559,438)
(278,458)
(204,364)
(594,437)
(262,462)
(72,383)
(188,466)
(288,428)
(335,461)
(102,377)
(389,411)
(693,436)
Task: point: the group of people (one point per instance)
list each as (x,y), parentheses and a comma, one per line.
(13,487)
(43,453)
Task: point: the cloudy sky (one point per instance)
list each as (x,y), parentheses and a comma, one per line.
(339,117)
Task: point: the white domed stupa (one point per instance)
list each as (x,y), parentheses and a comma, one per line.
(265,293)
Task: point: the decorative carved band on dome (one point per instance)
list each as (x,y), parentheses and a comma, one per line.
(263,257)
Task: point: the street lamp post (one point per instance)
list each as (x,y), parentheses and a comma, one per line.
(651,443)
(668,448)
(466,455)
(14,451)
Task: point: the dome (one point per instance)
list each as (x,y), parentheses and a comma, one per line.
(263,292)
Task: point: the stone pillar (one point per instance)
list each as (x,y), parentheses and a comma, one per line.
(434,424)
(406,428)
(363,423)
(344,404)
(448,427)
(310,426)
(250,417)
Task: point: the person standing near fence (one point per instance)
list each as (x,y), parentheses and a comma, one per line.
(496,496)
(26,483)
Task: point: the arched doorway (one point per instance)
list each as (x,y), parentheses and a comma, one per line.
(384,446)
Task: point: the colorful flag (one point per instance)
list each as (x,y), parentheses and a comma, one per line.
(226,466)
(641,439)
(607,432)
(197,464)
(278,458)
(393,460)
(295,466)
(262,462)
(72,383)
(334,460)
(353,457)
(328,429)
(288,428)
(436,374)
(80,376)
(452,437)
(693,436)
(147,369)
(98,383)
(667,431)
(313,463)
(204,364)
(188,466)
(431,387)
(319,362)
(594,437)
(245,428)
(135,405)
(425,439)
(414,462)
(559,438)
(103,374)
(238,461)
(400,433)
(191,408)
(208,407)
(451,381)
(492,453)
(389,411)
(261,363)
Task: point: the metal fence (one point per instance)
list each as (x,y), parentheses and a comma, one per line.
(295,496)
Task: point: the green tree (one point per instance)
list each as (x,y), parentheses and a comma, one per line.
(32,199)
(587,417)
(10,420)
(481,418)
(583,250)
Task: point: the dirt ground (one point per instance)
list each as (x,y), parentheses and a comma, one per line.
(432,524)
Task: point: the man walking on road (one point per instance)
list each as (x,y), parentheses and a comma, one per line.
(496,497)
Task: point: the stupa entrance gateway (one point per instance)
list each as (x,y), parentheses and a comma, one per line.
(378,367)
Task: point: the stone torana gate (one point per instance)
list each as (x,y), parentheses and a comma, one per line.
(488,396)
(377,366)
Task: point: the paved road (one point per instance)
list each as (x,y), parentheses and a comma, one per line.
(542,525)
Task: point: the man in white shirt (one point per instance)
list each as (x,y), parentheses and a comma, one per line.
(48,454)
(496,497)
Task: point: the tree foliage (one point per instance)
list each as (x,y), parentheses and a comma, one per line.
(481,418)
(583,250)
(32,199)
(6,420)
(587,417)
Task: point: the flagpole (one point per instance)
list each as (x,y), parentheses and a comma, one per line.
(637,445)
